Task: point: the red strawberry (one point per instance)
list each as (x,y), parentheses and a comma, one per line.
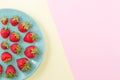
(30,37)
(1,69)
(14,20)
(14,37)
(4,20)
(6,57)
(24,26)
(31,51)
(15,48)
(5,32)
(4,45)
(23,64)
(10,71)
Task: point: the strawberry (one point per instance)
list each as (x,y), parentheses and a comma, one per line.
(1,69)
(23,64)
(15,48)
(6,57)
(14,37)
(4,45)
(4,20)
(10,71)
(31,51)
(23,26)
(30,37)
(5,32)
(14,20)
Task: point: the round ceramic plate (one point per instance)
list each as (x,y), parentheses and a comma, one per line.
(39,43)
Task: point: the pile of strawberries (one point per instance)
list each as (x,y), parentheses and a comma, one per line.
(30,52)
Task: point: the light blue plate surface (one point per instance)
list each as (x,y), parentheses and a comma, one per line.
(39,43)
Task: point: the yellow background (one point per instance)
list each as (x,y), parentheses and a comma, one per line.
(54,65)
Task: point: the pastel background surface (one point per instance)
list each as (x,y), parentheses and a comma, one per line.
(90,32)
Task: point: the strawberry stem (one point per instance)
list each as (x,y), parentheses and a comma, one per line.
(35,51)
(6,27)
(17,35)
(16,18)
(7,60)
(26,66)
(18,49)
(26,25)
(10,75)
(5,44)
(3,18)
(34,36)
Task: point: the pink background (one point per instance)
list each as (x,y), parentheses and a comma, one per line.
(90,33)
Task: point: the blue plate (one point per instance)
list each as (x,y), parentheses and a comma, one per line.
(39,43)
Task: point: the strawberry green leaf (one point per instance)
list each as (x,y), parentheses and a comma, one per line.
(6,28)
(17,35)
(16,18)
(26,66)
(26,25)
(35,51)
(5,44)
(18,49)
(7,60)
(34,36)
(3,18)
(10,75)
